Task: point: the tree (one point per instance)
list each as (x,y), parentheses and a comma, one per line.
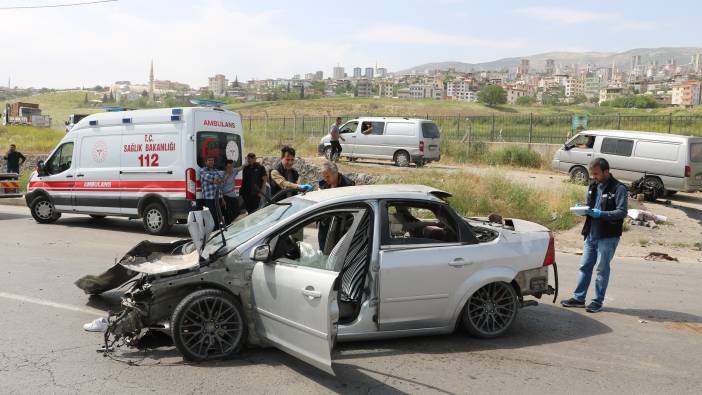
(492,95)
(580,99)
(525,100)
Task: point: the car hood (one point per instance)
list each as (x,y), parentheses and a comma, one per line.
(147,258)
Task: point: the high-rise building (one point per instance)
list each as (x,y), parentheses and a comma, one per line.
(319,75)
(218,84)
(697,62)
(339,73)
(523,68)
(635,61)
(381,72)
(369,73)
(357,72)
(550,66)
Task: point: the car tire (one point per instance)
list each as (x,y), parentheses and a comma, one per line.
(43,210)
(402,159)
(97,216)
(155,218)
(656,184)
(491,310)
(327,152)
(579,175)
(208,324)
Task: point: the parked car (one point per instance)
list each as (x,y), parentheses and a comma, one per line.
(401,140)
(340,264)
(668,162)
(136,164)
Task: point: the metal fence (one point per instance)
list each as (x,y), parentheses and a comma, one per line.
(518,128)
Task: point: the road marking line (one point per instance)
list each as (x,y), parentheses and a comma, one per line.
(43,302)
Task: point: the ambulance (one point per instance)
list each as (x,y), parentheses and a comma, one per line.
(135,164)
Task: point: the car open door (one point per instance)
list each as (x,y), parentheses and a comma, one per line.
(295,294)
(297,310)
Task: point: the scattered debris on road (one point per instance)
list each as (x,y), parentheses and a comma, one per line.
(659,256)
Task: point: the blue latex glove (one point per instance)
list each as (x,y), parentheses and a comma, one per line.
(594,212)
(578,204)
(305,187)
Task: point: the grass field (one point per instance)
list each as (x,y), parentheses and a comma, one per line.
(481,195)
(59,105)
(29,140)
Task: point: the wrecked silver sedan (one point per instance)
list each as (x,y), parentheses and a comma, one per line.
(340,264)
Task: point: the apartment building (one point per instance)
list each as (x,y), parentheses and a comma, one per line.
(514,92)
(574,87)
(460,90)
(686,94)
(218,84)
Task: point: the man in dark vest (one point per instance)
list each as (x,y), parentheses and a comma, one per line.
(284,176)
(607,202)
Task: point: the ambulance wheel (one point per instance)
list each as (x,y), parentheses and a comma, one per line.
(43,210)
(155,219)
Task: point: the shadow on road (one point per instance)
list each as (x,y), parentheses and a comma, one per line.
(544,324)
(5,216)
(657,315)
(116,224)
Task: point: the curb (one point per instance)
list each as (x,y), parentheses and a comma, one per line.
(13,202)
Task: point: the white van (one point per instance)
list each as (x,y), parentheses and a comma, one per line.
(402,140)
(135,164)
(670,162)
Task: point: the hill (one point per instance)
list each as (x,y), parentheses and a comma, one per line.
(622,60)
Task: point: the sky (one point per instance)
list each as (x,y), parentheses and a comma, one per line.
(191,40)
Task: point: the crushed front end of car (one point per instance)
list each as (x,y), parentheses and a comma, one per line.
(160,277)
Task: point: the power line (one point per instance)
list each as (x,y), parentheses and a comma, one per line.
(56,5)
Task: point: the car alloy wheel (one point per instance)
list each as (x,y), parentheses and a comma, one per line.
(491,310)
(402,159)
(154,219)
(328,153)
(208,324)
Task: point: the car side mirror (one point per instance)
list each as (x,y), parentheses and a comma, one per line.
(261,253)
(41,168)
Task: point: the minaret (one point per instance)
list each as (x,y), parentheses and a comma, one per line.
(151,81)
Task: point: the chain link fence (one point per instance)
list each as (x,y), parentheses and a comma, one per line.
(518,128)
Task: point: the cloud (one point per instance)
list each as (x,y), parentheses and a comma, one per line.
(406,34)
(115,45)
(572,16)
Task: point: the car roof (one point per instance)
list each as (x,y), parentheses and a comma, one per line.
(637,134)
(367,192)
(391,119)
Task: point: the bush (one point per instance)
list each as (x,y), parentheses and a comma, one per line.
(631,101)
(525,100)
(511,155)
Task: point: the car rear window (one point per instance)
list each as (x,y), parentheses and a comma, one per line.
(221,146)
(430,130)
(696,152)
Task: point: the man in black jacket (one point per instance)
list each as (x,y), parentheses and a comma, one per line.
(607,202)
(331,178)
(14,159)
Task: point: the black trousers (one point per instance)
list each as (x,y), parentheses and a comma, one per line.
(231,210)
(251,203)
(335,149)
(211,204)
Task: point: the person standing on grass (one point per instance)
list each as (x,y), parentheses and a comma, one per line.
(284,176)
(14,159)
(253,184)
(335,134)
(230,197)
(607,202)
(211,180)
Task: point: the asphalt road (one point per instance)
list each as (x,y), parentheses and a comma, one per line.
(636,346)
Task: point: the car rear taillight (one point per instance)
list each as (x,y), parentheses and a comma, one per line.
(190,184)
(550,258)
(421,146)
(688,171)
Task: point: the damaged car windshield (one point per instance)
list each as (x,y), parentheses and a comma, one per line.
(253,224)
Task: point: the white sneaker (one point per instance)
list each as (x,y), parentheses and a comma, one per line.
(99,325)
